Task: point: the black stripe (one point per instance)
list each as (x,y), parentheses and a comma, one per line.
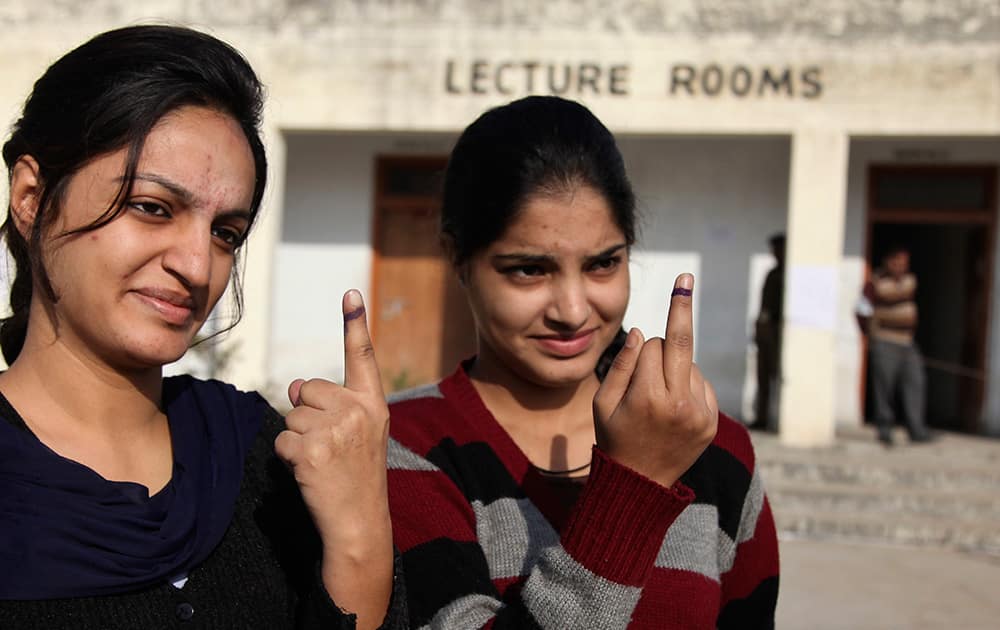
(441,571)
(476,470)
(718,478)
(755,611)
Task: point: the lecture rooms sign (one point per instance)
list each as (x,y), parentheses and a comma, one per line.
(582,79)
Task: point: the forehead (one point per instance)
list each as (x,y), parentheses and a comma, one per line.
(576,221)
(204,150)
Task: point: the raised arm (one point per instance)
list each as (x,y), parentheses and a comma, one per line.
(335,445)
(654,412)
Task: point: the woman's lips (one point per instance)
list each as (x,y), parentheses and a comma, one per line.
(175,308)
(567,346)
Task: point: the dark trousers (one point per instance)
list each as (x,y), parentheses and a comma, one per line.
(898,370)
(768,338)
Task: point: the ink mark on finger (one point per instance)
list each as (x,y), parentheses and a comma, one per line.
(356,313)
(680,291)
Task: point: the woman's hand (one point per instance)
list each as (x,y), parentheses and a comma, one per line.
(654,412)
(335,444)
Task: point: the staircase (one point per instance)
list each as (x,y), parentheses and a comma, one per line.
(943,494)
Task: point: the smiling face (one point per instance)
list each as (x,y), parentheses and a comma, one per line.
(133,293)
(549,295)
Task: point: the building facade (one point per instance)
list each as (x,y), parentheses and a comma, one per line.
(849,125)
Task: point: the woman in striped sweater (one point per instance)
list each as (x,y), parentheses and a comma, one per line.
(530,489)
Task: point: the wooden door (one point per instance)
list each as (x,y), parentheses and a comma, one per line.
(421,325)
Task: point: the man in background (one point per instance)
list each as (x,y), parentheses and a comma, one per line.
(767,336)
(887,314)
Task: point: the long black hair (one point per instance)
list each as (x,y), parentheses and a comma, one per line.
(105,96)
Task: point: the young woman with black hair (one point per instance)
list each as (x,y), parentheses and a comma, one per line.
(506,514)
(130,500)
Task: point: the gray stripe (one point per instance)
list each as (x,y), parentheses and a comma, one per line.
(561,593)
(401,458)
(424,391)
(752,505)
(471,611)
(695,542)
(512,533)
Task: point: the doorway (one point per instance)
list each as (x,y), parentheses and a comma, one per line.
(945,216)
(421,326)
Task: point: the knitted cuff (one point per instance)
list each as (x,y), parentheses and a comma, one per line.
(620,520)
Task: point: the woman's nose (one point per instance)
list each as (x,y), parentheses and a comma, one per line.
(189,255)
(570,306)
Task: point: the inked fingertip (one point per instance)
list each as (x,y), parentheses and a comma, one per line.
(684,281)
(354,314)
(354,306)
(353,300)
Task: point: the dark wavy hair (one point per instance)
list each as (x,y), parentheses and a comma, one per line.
(105,96)
(539,145)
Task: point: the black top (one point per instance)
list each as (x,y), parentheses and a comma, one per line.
(263,574)
(772,295)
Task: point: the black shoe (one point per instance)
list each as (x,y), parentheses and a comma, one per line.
(885,440)
(923,438)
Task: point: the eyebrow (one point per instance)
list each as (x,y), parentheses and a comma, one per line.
(175,189)
(544,258)
(186,196)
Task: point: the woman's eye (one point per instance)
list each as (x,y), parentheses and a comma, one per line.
(149,208)
(229,236)
(524,271)
(605,264)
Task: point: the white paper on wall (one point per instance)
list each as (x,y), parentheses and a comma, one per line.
(811,296)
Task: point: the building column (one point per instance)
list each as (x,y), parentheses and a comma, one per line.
(816,214)
(248,343)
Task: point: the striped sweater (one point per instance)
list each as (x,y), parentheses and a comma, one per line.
(479,548)
(894,302)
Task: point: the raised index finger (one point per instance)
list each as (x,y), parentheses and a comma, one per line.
(678,351)
(360,369)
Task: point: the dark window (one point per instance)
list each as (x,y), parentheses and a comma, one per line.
(916,190)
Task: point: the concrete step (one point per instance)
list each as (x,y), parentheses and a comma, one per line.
(878,474)
(938,532)
(894,500)
(944,494)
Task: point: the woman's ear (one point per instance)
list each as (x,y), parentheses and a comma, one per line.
(448,248)
(25,193)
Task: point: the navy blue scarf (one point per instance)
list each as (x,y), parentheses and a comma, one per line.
(65,531)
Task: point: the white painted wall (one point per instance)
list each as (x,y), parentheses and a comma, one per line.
(707,205)
(716,201)
(325,245)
